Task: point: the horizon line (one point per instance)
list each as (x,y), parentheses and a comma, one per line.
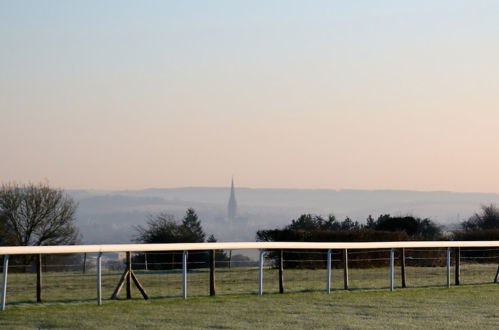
(270,188)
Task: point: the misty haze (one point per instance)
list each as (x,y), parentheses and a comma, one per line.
(110,216)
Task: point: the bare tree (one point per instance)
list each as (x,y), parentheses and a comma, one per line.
(487,219)
(36,215)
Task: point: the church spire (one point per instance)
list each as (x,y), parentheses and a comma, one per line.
(232,206)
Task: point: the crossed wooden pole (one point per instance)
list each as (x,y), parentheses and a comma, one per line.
(128,276)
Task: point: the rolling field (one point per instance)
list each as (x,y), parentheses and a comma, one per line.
(69,300)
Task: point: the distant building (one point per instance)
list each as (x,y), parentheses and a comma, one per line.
(232,206)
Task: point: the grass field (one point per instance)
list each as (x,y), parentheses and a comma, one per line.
(460,307)
(69,300)
(75,286)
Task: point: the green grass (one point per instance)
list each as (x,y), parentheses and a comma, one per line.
(69,300)
(459,307)
(73,286)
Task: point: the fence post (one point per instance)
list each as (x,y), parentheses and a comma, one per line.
(99,279)
(184,274)
(260,273)
(392,270)
(84,263)
(328,274)
(457,266)
(39,278)
(145,261)
(4,281)
(212,272)
(402,266)
(129,275)
(345,269)
(448,267)
(281,272)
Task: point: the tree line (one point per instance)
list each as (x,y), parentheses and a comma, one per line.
(483,225)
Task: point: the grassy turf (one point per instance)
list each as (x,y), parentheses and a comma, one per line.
(70,300)
(459,307)
(73,286)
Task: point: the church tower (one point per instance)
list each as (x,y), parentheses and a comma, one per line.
(232,206)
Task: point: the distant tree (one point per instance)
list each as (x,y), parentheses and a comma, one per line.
(370,222)
(349,224)
(315,228)
(416,228)
(36,215)
(164,228)
(488,218)
(193,227)
(314,222)
(7,236)
(389,223)
(161,228)
(481,226)
(428,230)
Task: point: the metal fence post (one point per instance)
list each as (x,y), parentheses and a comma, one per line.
(260,273)
(392,267)
(184,274)
(4,281)
(328,276)
(448,267)
(99,279)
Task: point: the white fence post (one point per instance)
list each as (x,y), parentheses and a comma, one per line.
(99,279)
(184,274)
(260,273)
(328,276)
(448,267)
(4,281)
(392,267)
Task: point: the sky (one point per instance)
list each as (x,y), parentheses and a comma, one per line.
(279,94)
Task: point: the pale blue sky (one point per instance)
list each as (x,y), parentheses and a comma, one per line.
(296,94)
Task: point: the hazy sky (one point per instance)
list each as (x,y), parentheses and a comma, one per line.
(283,94)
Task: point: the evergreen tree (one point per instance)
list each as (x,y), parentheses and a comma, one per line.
(193,226)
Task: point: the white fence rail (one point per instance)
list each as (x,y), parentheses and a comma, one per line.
(11,250)
(260,246)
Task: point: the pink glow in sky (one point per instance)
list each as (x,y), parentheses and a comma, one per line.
(282,94)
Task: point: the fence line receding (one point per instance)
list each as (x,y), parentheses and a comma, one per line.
(89,272)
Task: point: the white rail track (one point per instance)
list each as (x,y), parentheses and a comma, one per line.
(6,251)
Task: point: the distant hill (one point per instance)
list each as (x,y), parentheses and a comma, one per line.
(109,216)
